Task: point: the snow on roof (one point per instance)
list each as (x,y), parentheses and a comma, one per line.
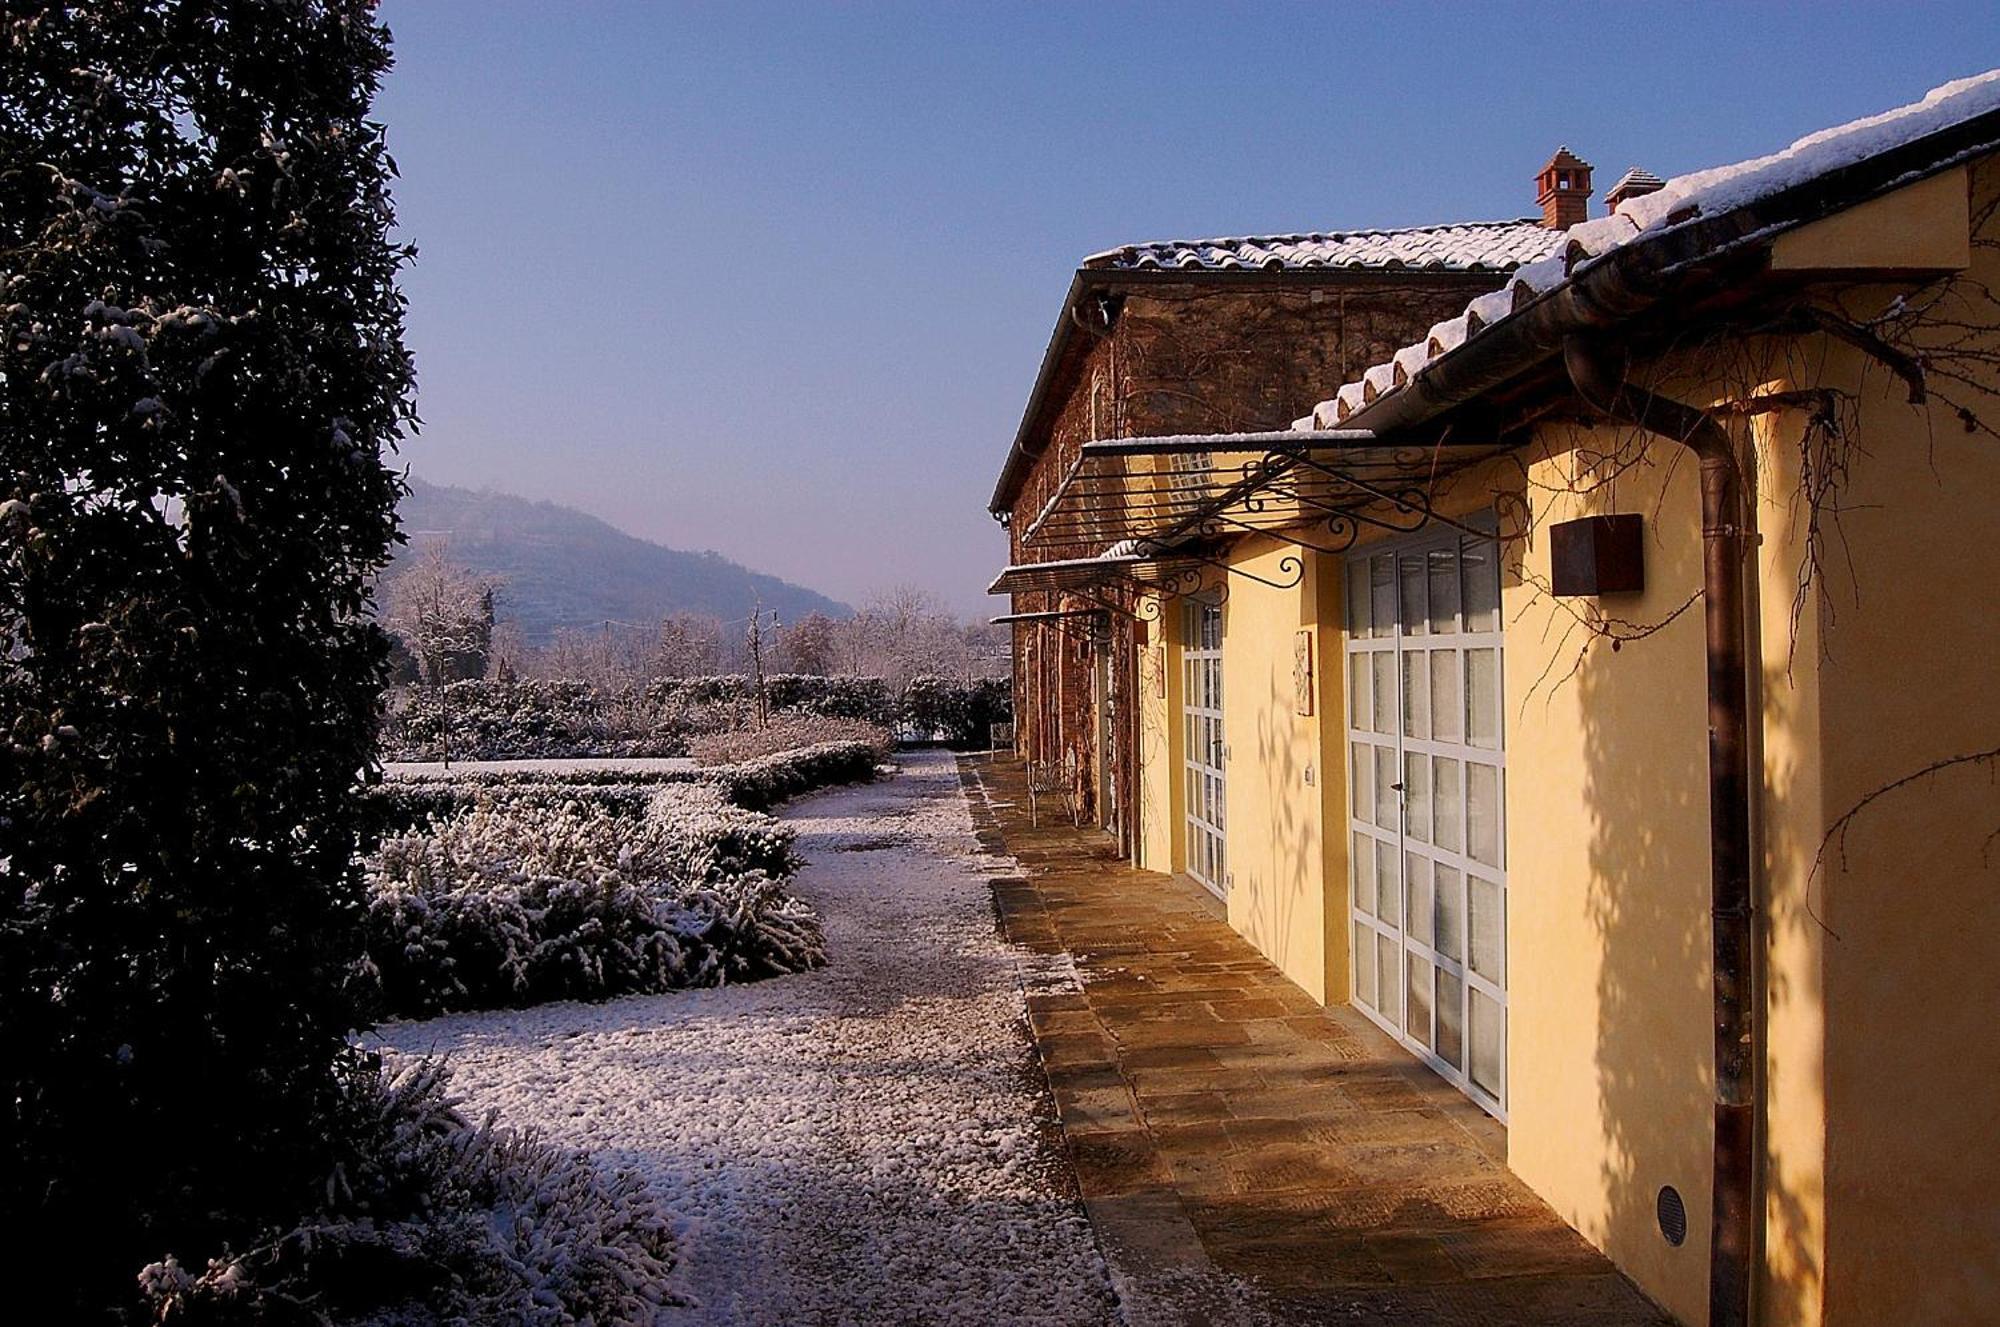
(1468,246)
(1635,176)
(1682,199)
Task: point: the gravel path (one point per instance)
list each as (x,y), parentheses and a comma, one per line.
(866,1144)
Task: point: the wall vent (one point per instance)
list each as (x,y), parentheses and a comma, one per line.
(1673,1216)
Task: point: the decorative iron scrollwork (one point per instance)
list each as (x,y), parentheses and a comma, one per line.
(1289,565)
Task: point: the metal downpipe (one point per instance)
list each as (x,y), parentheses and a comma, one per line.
(1600,380)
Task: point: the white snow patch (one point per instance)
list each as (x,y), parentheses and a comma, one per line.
(1721,188)
(862,1144)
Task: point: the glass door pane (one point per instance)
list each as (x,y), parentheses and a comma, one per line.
(1427,760)
(1203,807)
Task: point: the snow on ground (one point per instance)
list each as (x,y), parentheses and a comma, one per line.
(868,1143)
(435,769)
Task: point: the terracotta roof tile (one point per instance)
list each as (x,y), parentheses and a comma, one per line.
(1472,246)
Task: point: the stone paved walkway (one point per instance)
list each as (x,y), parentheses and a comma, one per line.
(1228,1131)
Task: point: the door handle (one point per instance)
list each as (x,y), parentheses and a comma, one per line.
(1395,787)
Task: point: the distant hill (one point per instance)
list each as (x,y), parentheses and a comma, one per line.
(560,567)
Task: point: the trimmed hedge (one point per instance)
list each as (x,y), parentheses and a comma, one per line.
(524,720)
(961,714)
(493,890)
(763,783)
(865,698)
(535,719)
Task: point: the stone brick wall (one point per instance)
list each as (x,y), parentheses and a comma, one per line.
(1194,357)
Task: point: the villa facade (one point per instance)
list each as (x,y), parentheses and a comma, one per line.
(1572,643)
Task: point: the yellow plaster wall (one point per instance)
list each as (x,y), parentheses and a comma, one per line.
(1330,663)
(1607,883)
(1910,894)
(1880,1078)
(1788,822)
(1879,1073)
(1277,895)
(1922,227)
(1159,843)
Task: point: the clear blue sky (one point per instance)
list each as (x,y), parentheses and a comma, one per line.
(775,281)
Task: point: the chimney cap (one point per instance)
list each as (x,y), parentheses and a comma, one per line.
(1566,158)
(1634,183)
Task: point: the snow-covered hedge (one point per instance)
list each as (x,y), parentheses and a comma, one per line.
(491,888)
(787,731)
(837,697)
(525,720)
(765,782)
(960,714)
(530,719)
(694,813)
(533,896)
(432,1218)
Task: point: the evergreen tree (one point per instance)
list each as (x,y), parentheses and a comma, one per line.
(201,374)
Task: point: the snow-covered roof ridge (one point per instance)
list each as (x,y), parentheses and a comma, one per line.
(1468,246)
(1682,199)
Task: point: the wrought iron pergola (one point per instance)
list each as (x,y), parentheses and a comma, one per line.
(1318,489)
(1160,506)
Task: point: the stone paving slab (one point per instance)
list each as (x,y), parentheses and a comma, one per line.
(1221,1122)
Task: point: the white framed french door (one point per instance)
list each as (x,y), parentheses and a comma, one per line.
(1201,744)
(1427,768)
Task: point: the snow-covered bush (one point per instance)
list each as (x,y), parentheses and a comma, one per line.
(431,1218)
(787,731)
(712,838)
(531,896)
(771,779)
(494,888)
(715,836)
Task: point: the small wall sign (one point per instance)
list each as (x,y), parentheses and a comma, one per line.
(1302,671)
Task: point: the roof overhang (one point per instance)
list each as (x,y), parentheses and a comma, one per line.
(1162,492)
(1077,324)
(1049,616)
(1141,569)
(1650,292)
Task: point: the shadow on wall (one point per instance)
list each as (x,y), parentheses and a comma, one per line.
(1789,1289)
(1644,740)
(1291,842)
(1274,878)
(1645,790)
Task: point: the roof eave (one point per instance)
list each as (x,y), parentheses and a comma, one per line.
(1021,456)
(1634,278)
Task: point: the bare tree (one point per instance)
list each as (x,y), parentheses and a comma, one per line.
(808,645)
(443,614)
(756,636)
(507,657)
(688,645)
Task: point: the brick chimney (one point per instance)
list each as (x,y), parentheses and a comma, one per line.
(1633,184)
(1563,190)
